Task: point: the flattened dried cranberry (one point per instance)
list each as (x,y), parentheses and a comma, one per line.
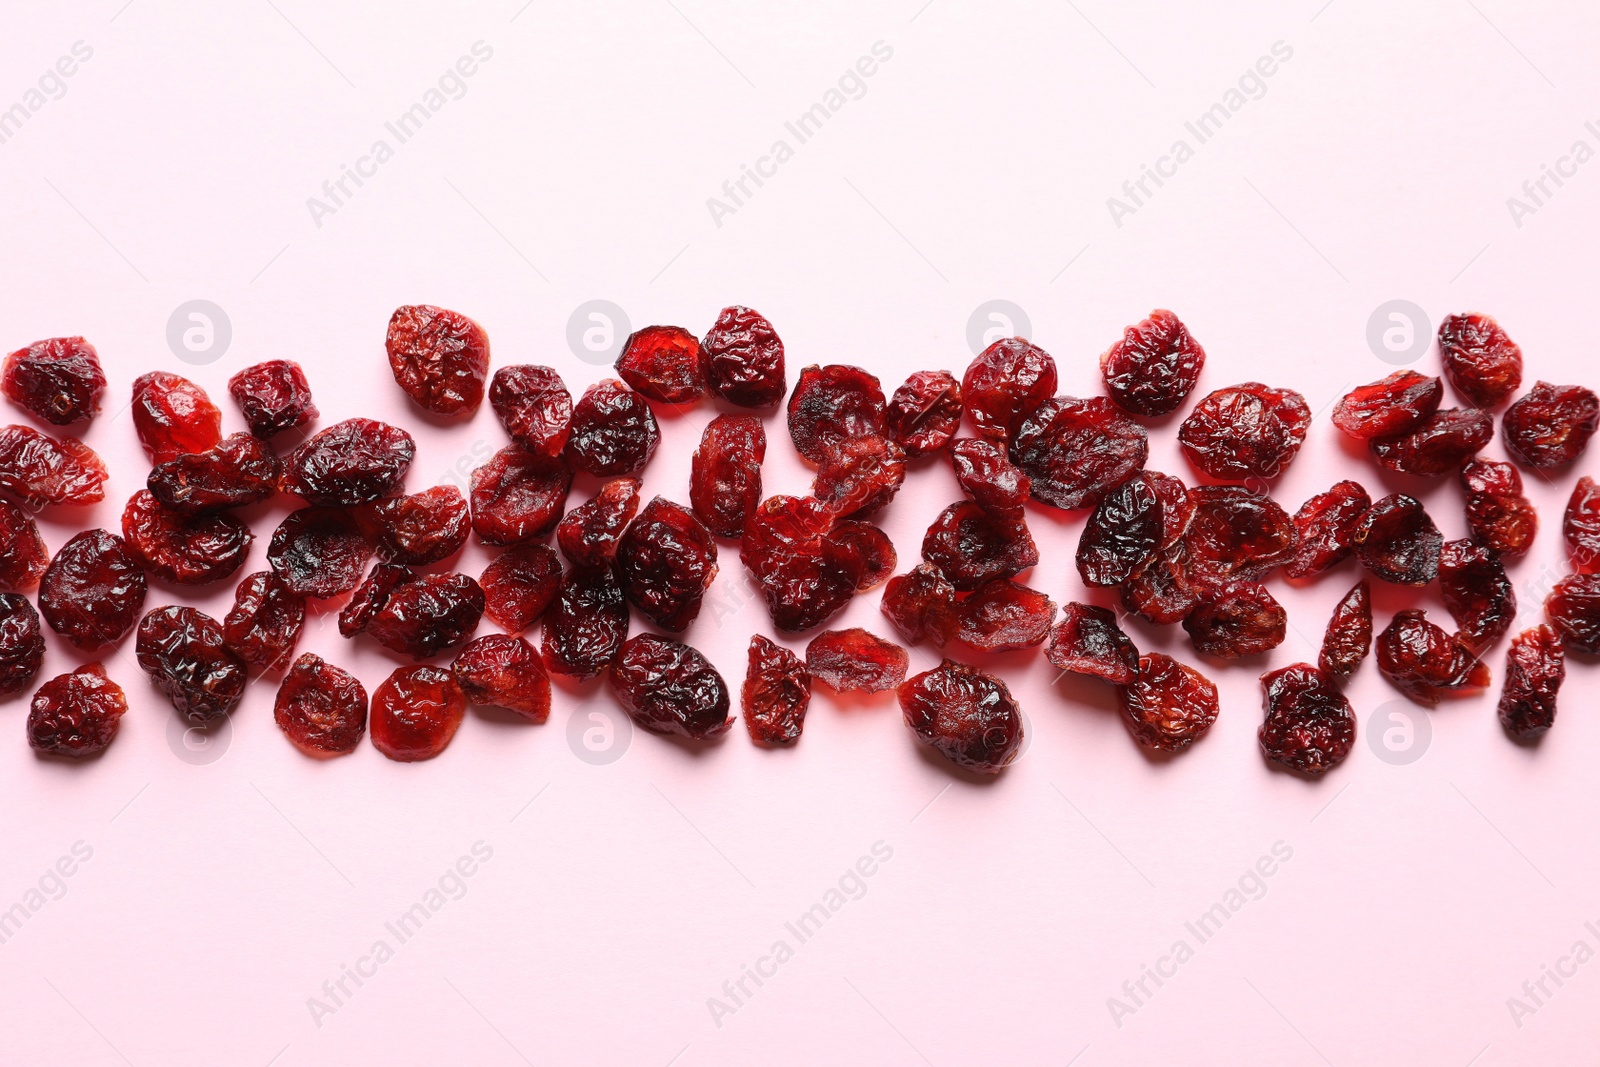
(352,462)
(1395,405)
(423,528)
(1235,534)
(183,549)
(744,357)
(1477,593)
(833,404)
(1309,726)
(859,475)
(989,478)
(1573,608)
(1348,638)
(921,604)
(1004,616)
(585,625)
(416,712)
(613,431)
(1446,440)
(76,714)
(1535,668)
(589,533)
(321,709)
(1177,509)
(1088,641)
(1483,364)
(1247,431)
(775,694)
(519,584)
(21,643)
(969,717)
(669,688)
(58,380)
(972,546)
(1425,662)
(1550,425)
(370,596)
(273,396)
(1326,526)
(1152,370)
(1122,534)
(1397,541)
(786,548)
(665,562)
(239,471)
(430,614)
(856,661)
(1580,526)
(439,357)
(534,406)
(665,364)
(172,415)
(23,555)
(1241,619)
(38,469)
(725,473)
(1497,513)
(1006,383)
(319,552)
(1169,705)
(93,590)
(518,496)
(863,549)
(265,622)
(1161,593)
(183,652)
(501,671)
(1076,450)
(924,413)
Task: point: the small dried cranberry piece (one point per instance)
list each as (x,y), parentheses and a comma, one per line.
(669,688)
(1241,619)
(1161,593)
(321,709)
(183,549)
(1397,541)
(856,661)
(1483,364)
(1246,431)
(613,431)
(265,622)
(1088,641)
(1497,513)
(1309,726)
(273,396)
(1004,616)
(370,596)
(1326,526)
(439,357)
(725,473)
(501,671)
(665,364)
(1535,668)
(989,478)
(1550,425)
(76,714)
(38,469)
(924,413)
(534,406)
(416,712)
(971,546)
(1122,535)
(1395,405)
(93,590)
(352,462)
(319,552)
(519,584)
(859,475)
(665,562)
(423,528)
(173,415)
(1476,592)
(1573,608)
(1152,370)
(23,555)
(968,716)
(1005,384)
(518,496)
(586,624)
(1234,534)
(1441,445)
(863,549)
(775,694)
(240,470)
(430,614)
(21,643)
(921,604)
(744,357)
(589,533)
(1077,450)
(787,549)
(184,653)
(1177,509)
(833,404)
(1580,526)
(1169,705)
(1426,662)
(1348,638)
(58,380)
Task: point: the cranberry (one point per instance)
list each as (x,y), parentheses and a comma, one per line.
(1241,619)
(240,470)
(1535,669)
(968,716)
(501,671)
(518,496)
(1573,608)
(319,552)
(430,614)
(1152,370)
(440,358)
(21,643)
(416,712)
(744,357)
(664,364)
(1122,534)
(921,604)
(863,549)
(1169,705)
(1483,364)
(1003,616)
(1077,450)
(1550,425)
(371,595)
(93,590)
(38,469)
(533,405)
(589,534)
(1580,526)
(1348,638)
(184,653)
(321,709)
(1177,509)
(1247,431)
(183,549)
(58,380)
(1477,593)
(725,473)
(613,431)
(1498,514)
(23,555)
(352,462)
(265,622)
(1005,384)
(1326,528)
(1398,542)
(859,475)
(669,688)
(1396,405)
(665,562)
(924,413)
(1088,641)
(586,624)
(989,478)
(1309,726)
(971,546)
(1235,534)
(426,527)
(519,584)
(1441,445)
(172,415)
(1163,592)
(76,714)
(789,551)
(273,396)
(856,661)
(775,695)
(833,404)
(1425,662)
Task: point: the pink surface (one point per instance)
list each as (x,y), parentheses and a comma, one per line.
(607,904)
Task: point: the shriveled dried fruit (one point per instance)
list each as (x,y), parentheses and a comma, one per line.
(1483,364)
(1076,450)
(921,604)
(1580,526)
(787,549)
(76,714)
(1477,593)
(1326,526)
(93,590)
(1168,705)
(1006,383)
(266,620)
(430,614)
(23,555)
(1348,638)
(1498,514)
(856,661)
(1234,534)
(989,478)
(1426,662)
(183,651)
(319,552)
(1161,593)
(423,528)
(833,404)
(924,413)
(1394,405)
(1177,510)
(173,415)
(665,562)
(1088,641)
(612,432)
(1122,534)
(1003,616)
(58,380)
(238,471)
(665,364)
(183,549)
(519,584)
(1246,431)
(1241,619)
(968,716)
(585,625)
(273,396)
(971,546)
(1449,438)
(859,475)
(439,357)
(21,643)
(352,462)
(502,671)
(725,473)
(1309,726)
(1573,608)
(370,596)
(669,688)
(1152,370)
(1550,425)
(744,358)
(863,549)
(775,694)
(321,709)
(589,533)
(37,469)
(1397,541)
(534,406)
(518,496)
(1535,668)
(416,712)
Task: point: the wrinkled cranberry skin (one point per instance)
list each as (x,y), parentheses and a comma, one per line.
(971,547)
(58,380)
(1004,616)
(370,596)
(1348,637)
(430,614)
(1161,592)
(1573,608)
(989,478)
(1395,405)
(1006,383)
(502,671)
(416,712)
(613,431)
(924,413)
(1241,619)
(1152,370)
(589,533)
(1426,662)
(744,358)
(1075,450)
(921,604)
(183,549)
(439,357)
(519,584)
(586,625)
(38,469)
(862,548)
(265,622)
(518,496)
(860,475)
(534,406)
(1580,526)
(423,528)
(1397,541)
(669,688)
(23,555)
(1168,705)
(184,653)
(665,562)
(664,364)
(321,709)
(173,415)
(241,470)
(1498,514)
(1177,509)
(1535,668)
(93,590)
(319,552)
(968,716)
(775,695)
(1122,534)
(1088,641)
(273,396)
(21,643)
(1550,426)
(787,548)
(1326,527)
(76,714)
(1247,431)
(1309,726)
(725,473)
(1440,446)
(1235,534)
(1483,364)
(352,462)
(833,404)
(856,661)
(1477,593)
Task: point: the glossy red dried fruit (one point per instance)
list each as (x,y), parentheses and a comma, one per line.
(665,562)
(1309,726)
(1580,526)
(803,576)
(1246,431)
(924,413)
(1535,668)
(93,590)
(501,671)
(173,415)
(725,473)
(273,397)
(1168,705)
(833,404)
(1234,534)
(519,584)
(1161,593)
(423,528)
(416,712)
(613,431)
(665,364)
(1075,450)
(1426,662)
(1483,364)
(1441,445)
(1152,370)
(321,709)
(76,714)
(352,462)
(589,533)
(183,549)
(1397,541)
(1241,619)
(1006,383)
(859,475)
(1177,510)
(669,688)
(971,546)
(23,555)
(439,357)
(989,478)
(968,716)
(183,652)
(265,622)
(1004,616)
(862,549)
(1326,528)
(1550,425)
(744,358)
(1088,641)
(534,406)
(585,625)
(21,643)
(37,469)
(430,614)
(370,596)
(1348,638)
(1573,608)
(1122,534)
(319,552)
(240,470)
(518,496)
(1476,592)
(1497,513)
(775,694)
(58,380)
(921,604)
(1394,405)
(856,661)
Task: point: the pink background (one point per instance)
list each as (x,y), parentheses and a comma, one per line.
(226,885)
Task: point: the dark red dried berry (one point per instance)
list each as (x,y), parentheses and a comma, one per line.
(423,528)
(1326,526)
(863,549)
(1550,425)
(725,473)
(856,661)
(833,404)
(1088,641)
(1476,592)
(416,712)
(273,396)
(1573,608)
(1348,638)
(93,590)
(1580,526)
(1152,370)
(430,614)
(501,671)
(968,716)
(1241,619)
(370,596)
(665,562)
(775,694)
(518,496)
(787,549)
(669,688)
(519,584)
(1234,534)
(613,431)
(1426,662)
(1483,364)
(586,624)
(1077,450)
(971,546)
(924,413)
(1161,593)
(1535,668)
(1122,535)
(1005,384)
(859,475)
(439,357)
(921,604)
(1169,705)
(321,709)
(76,714)
(1449,438)
(1309,726)
(172,415)
(240,470)
(319,552)
(989,478)
(265,622)
(744,357)
(183,549)
(1395,405)
(665,364)
(1397,541)
(58,380)
(1004,616)
(183,652)
(1246,431)
(37,469)
(1177,509)
(1498,514)
(352,462)
(589,533)
(23,555)
(534,406)
(21,643)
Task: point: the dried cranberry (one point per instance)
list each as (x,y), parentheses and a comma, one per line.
(1077,450)
(856,661)
(1535,668)
(1122,534)
(665,562)
(239,471)
(321,709)
(439,357)
(989,478)
(416,712)
(183,549)
(725,473)
(665,364)
(58,380)
(172,415)
(586,625)
(1477,593)
(968,716)
(924,413)
(38,469)
(21,643)
(1005,384)
(921,604)
(1003,616)
(1161,593)
(1497,513)
(787,550)
(1241,619)
(972,546)
(1483,364)
(833,404)
(1580,526)
(23,555)
(371,595)
(589,533)
(534,406)
(1177,509)
(1441,445)
(519,584)
(319,552)
(859,475)
(1088,641)
(352,462)
(423,528)
(265,622)
(1550,425)
(1152,370)
(1309,726)
(669,688)
(1425,662)
(1326,526)
(93,590)
(273,396)
(1168,705)
(76,714)
(1247,431)
(863,549)
(430,614)
(1348,638)
(518,496)
(1573,607)
(1395,405)
(501,671)
(613,431)
(183,651)
(775,695)
(1397,541)
(1235,534)
(744,357)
